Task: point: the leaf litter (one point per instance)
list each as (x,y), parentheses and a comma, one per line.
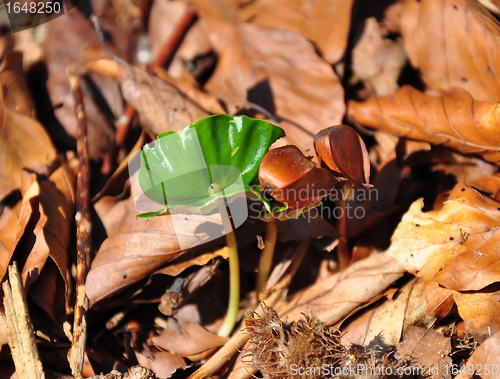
(417,80)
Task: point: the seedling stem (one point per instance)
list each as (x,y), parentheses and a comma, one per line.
(234,273)
(343,248)
(266,259)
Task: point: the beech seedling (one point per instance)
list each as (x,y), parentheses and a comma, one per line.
(203,168)
(296,182)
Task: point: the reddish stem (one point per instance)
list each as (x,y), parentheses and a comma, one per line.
(343,247)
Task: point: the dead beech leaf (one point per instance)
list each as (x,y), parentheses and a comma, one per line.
(485,357)
(488,184)
(337,296)
(200,259)
(454,43)
(190,88)
(10,224)
(277,69)
(378,61)
(183,288)
(312,18)
(161,106)
(101,96)
(136,249)
(480,311)
(23,141)
(191,339)
(162,364)
(48,206)
(53,232)
(394,316)
(456,246)
(17,96)
(429,349)
(439,300)
(453,119)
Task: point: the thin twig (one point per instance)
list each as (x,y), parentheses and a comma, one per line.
(20,329)
(83,229)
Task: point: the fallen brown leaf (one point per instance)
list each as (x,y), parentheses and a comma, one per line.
(161,107)
(337,296)
(378,61)
(485,360)
(48,206)
(162,364)
(10,225)
(439,300)
(456,246)
(480,311)
(101,95)
(276,68)
(189,87)
(23,141)
(312,18)
(394,316)
(453,119)
(191,339)
(53,232)
(429,350)
(136,249)
(454,43)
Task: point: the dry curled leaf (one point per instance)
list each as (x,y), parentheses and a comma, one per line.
(454,43)
(428,349)
(312,18)
(138,247)
(457,246)
(191,339)
(338,295)
(453,119)
(23,140)
(486,359)
(48,206)
(439,300)
(161,106)
(101,95)
(392,318)
(278,69)
(378,61)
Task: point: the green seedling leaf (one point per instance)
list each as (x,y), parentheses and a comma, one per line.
(213,158)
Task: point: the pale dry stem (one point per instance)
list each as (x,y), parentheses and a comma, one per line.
(20,329)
